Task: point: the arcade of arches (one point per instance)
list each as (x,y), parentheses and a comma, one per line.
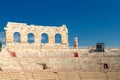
(25,35)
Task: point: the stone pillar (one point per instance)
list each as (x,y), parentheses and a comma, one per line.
(9,37)
(37,38)
(65,38)
(51,39)
(76,42)
(23,37)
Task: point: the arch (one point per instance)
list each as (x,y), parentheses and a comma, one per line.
(58,38)
(17,37)
(44,38)
(30,38)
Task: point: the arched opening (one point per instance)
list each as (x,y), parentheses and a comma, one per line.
(105,65)
(30,38)
(58,38)
(44,37)
(17,37)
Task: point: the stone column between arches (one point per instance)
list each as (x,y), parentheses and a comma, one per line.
(9,37)
(51,39)
(37,38)
(23,37)
(64,38)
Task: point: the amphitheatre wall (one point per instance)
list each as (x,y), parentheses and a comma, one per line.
(24,30)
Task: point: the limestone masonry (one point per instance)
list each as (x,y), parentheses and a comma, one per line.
(25,29)
(54,61)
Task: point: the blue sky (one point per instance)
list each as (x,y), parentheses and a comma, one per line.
(91,21)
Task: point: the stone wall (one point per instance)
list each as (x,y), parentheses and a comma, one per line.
(37,31)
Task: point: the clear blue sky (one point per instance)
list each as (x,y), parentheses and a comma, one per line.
(90,20)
